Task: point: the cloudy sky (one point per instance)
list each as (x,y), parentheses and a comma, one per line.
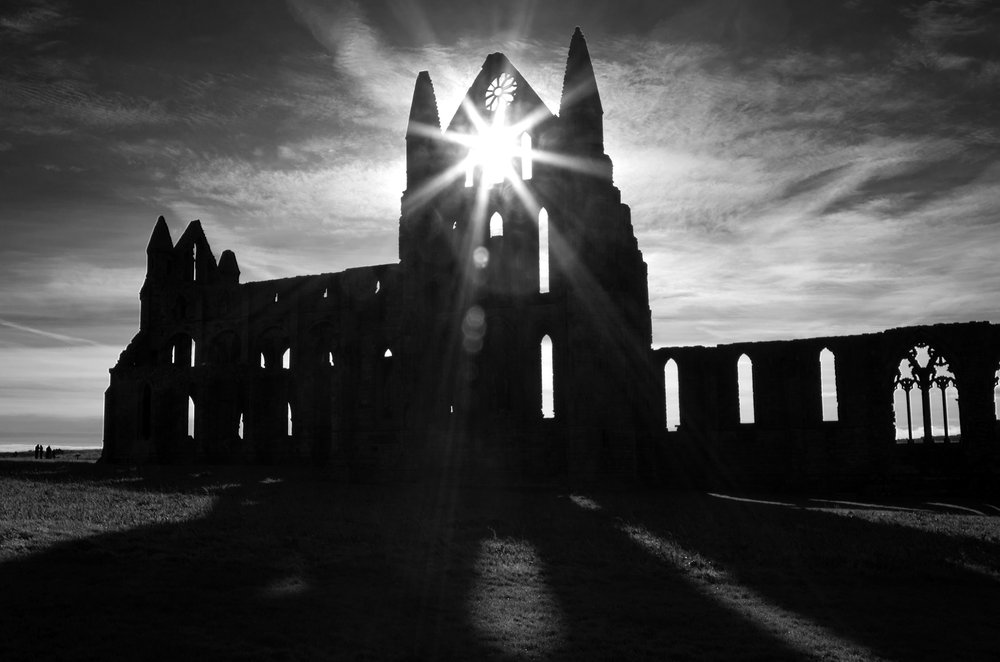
(794,168)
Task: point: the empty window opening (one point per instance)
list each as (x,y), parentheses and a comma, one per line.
(190,417)
(326,293)
(496,225)
(146,412)
(744,377)
(543,251)
(525,155)
(671,391)
(329,359)
(548,399)
(828,384)
(289,426)
(194,262)
(925,398)
(182,350)
(388,354)
(944,414)
(378,286)
(275,297)
(286,359)
(907,410)
(996,394)
(239,427)
(262,363)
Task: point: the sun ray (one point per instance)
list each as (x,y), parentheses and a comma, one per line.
(426,191)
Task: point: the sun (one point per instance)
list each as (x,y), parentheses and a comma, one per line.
(494,146)
(492,152)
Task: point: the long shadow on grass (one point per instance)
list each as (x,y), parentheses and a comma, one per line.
(279,569)
(306,569)
(618,602)
(901,592)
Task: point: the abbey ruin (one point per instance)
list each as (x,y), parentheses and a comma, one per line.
(513,339)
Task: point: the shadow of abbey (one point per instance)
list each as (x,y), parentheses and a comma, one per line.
(512,340)
(282,564)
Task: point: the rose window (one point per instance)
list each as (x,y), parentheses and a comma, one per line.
(501,91)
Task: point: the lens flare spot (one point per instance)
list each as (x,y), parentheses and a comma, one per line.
(481,257)
(473,329)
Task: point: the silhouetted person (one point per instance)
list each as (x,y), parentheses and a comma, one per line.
(48,453)
(36,451)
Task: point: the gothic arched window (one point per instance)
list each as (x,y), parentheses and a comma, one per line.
(548,387)
(828,384)
(996,394)
(671,391)
(543,251)
(744,376)
(925,398)
(496,225)
(526,156)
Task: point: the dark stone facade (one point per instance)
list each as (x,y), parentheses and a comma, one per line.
(435,364)
(789,444)
(432,363)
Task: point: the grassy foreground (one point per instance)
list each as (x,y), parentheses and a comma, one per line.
(283,564)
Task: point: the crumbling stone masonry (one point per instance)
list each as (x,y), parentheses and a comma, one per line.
(514,246)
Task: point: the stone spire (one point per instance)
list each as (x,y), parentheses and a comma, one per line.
(158,253)
(580,108)
(423,109)
(422,132)
(160,240)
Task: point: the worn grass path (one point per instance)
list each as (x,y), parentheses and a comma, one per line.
(285,564)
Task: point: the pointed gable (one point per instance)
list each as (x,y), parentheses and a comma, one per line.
(197,259)
(524,103)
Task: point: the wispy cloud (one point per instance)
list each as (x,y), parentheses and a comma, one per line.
(34,18)
(48,334)
(793,169)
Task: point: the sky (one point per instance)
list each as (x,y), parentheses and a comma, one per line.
(795,168)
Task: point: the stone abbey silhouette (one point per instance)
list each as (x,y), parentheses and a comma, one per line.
(513,338)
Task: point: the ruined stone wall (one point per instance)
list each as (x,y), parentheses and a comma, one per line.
(789,444)
(383,377)
(435,364)
(315,344)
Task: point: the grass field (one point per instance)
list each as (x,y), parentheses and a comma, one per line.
(285,564)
